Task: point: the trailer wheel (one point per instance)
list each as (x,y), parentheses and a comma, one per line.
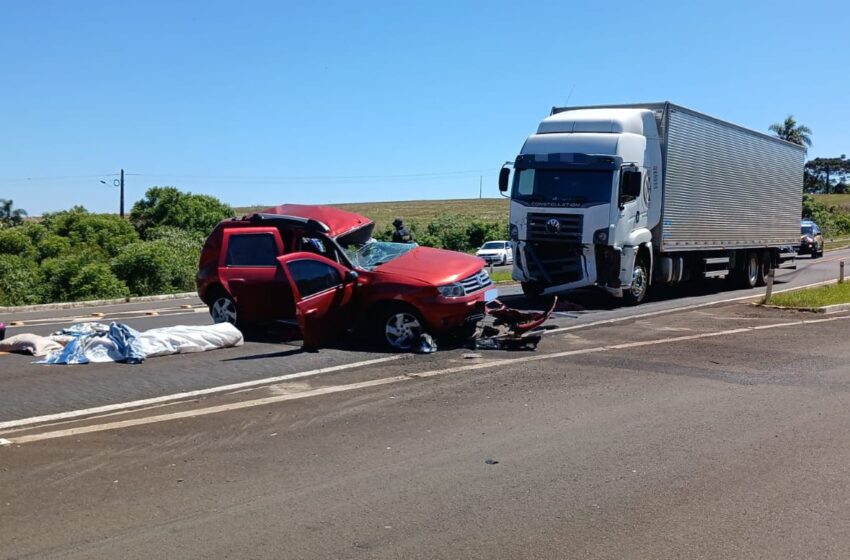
(747,275)
(640,283)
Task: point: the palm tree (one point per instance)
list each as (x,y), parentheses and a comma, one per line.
(792,132)
(9,217)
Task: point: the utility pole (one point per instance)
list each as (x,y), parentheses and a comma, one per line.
(480,185)
(122,193)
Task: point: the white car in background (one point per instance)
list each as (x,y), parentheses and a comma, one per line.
(496,252)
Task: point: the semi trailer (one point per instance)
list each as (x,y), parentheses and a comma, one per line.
(626,197)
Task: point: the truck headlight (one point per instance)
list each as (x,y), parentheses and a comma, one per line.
(451,290)
(514,233)
(601,236)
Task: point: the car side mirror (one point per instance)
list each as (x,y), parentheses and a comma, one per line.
(351,276)
(504,175)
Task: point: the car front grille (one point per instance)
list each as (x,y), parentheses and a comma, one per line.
(476,282)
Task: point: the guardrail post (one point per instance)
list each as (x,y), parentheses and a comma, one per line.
(841,272)
(491,267)
(769,292)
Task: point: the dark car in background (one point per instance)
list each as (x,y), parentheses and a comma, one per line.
(811,239)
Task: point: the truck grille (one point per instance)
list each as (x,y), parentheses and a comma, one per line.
(476,282)
(555,263)
(552,227)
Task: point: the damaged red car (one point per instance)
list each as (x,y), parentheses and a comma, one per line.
(320,268)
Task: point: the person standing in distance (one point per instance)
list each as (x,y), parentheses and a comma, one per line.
(401,233)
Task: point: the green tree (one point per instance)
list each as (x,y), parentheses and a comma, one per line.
(168,206)
(19,280)
(99,233)
(827,175)
(79,276)
(792,132)
(155,267)
(13,241)
(10,217)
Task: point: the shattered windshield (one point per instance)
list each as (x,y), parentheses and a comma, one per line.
(373,254)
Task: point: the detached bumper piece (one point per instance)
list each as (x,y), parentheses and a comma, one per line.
(506,328)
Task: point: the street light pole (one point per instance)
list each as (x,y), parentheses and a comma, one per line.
(122,193)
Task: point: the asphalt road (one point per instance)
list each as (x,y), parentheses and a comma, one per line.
(28,389)
(717,432)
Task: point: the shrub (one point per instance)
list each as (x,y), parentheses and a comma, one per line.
(105,233)
(13,241)
(155,267)
(79,276)
(19,280)
(168,206)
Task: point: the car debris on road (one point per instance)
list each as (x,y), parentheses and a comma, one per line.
(511,329)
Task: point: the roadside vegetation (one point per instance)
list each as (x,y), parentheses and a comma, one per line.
(76,255)
(808,298)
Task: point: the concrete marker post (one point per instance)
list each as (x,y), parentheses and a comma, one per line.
(769,292)
(840,272)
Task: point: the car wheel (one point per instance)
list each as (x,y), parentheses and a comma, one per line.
(223,310)
(640,284)
(399,328)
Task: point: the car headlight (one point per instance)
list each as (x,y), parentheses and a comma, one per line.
(451,290)
(514,232)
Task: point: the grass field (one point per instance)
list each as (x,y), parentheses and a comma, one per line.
(814,297)
(841,200)
(419,211)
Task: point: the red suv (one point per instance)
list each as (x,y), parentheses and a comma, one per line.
(319,267)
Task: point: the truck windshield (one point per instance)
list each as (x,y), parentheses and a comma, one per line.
(563,187)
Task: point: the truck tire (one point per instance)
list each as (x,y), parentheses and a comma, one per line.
(747,274)
(640,283)
(764,270)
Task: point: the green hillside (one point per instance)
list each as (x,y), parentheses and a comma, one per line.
(420,211)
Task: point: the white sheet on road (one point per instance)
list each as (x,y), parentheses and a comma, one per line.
(183,339)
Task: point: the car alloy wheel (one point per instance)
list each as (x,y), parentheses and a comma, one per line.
(223,310)
(402,330)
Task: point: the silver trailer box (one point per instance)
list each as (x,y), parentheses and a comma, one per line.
(724,186)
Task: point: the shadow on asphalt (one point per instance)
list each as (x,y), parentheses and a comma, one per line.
(596,299)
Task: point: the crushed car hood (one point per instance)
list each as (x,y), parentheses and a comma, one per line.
(435,266)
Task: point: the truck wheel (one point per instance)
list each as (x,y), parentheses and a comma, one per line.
(747,275)
(640,283)
(531,290)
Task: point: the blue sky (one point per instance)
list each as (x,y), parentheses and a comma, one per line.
(266,102)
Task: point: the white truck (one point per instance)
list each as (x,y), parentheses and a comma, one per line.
(629,196)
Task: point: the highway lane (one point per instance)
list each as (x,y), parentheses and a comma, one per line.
(28,389)
(721,435)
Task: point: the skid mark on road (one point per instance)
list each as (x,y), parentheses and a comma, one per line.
(29,438)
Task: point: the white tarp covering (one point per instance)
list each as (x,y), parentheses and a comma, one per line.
(183,339)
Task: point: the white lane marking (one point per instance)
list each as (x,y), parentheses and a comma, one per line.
(386,381)
(188,394)
(71,320)
(682,308)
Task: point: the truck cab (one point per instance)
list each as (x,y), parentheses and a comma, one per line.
(585,198)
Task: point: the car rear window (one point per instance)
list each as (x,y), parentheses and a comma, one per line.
(312,277)
(251,249)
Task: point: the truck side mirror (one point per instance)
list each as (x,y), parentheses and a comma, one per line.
(504,175)
(630,186)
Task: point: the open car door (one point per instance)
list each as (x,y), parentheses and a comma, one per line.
(323,291)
